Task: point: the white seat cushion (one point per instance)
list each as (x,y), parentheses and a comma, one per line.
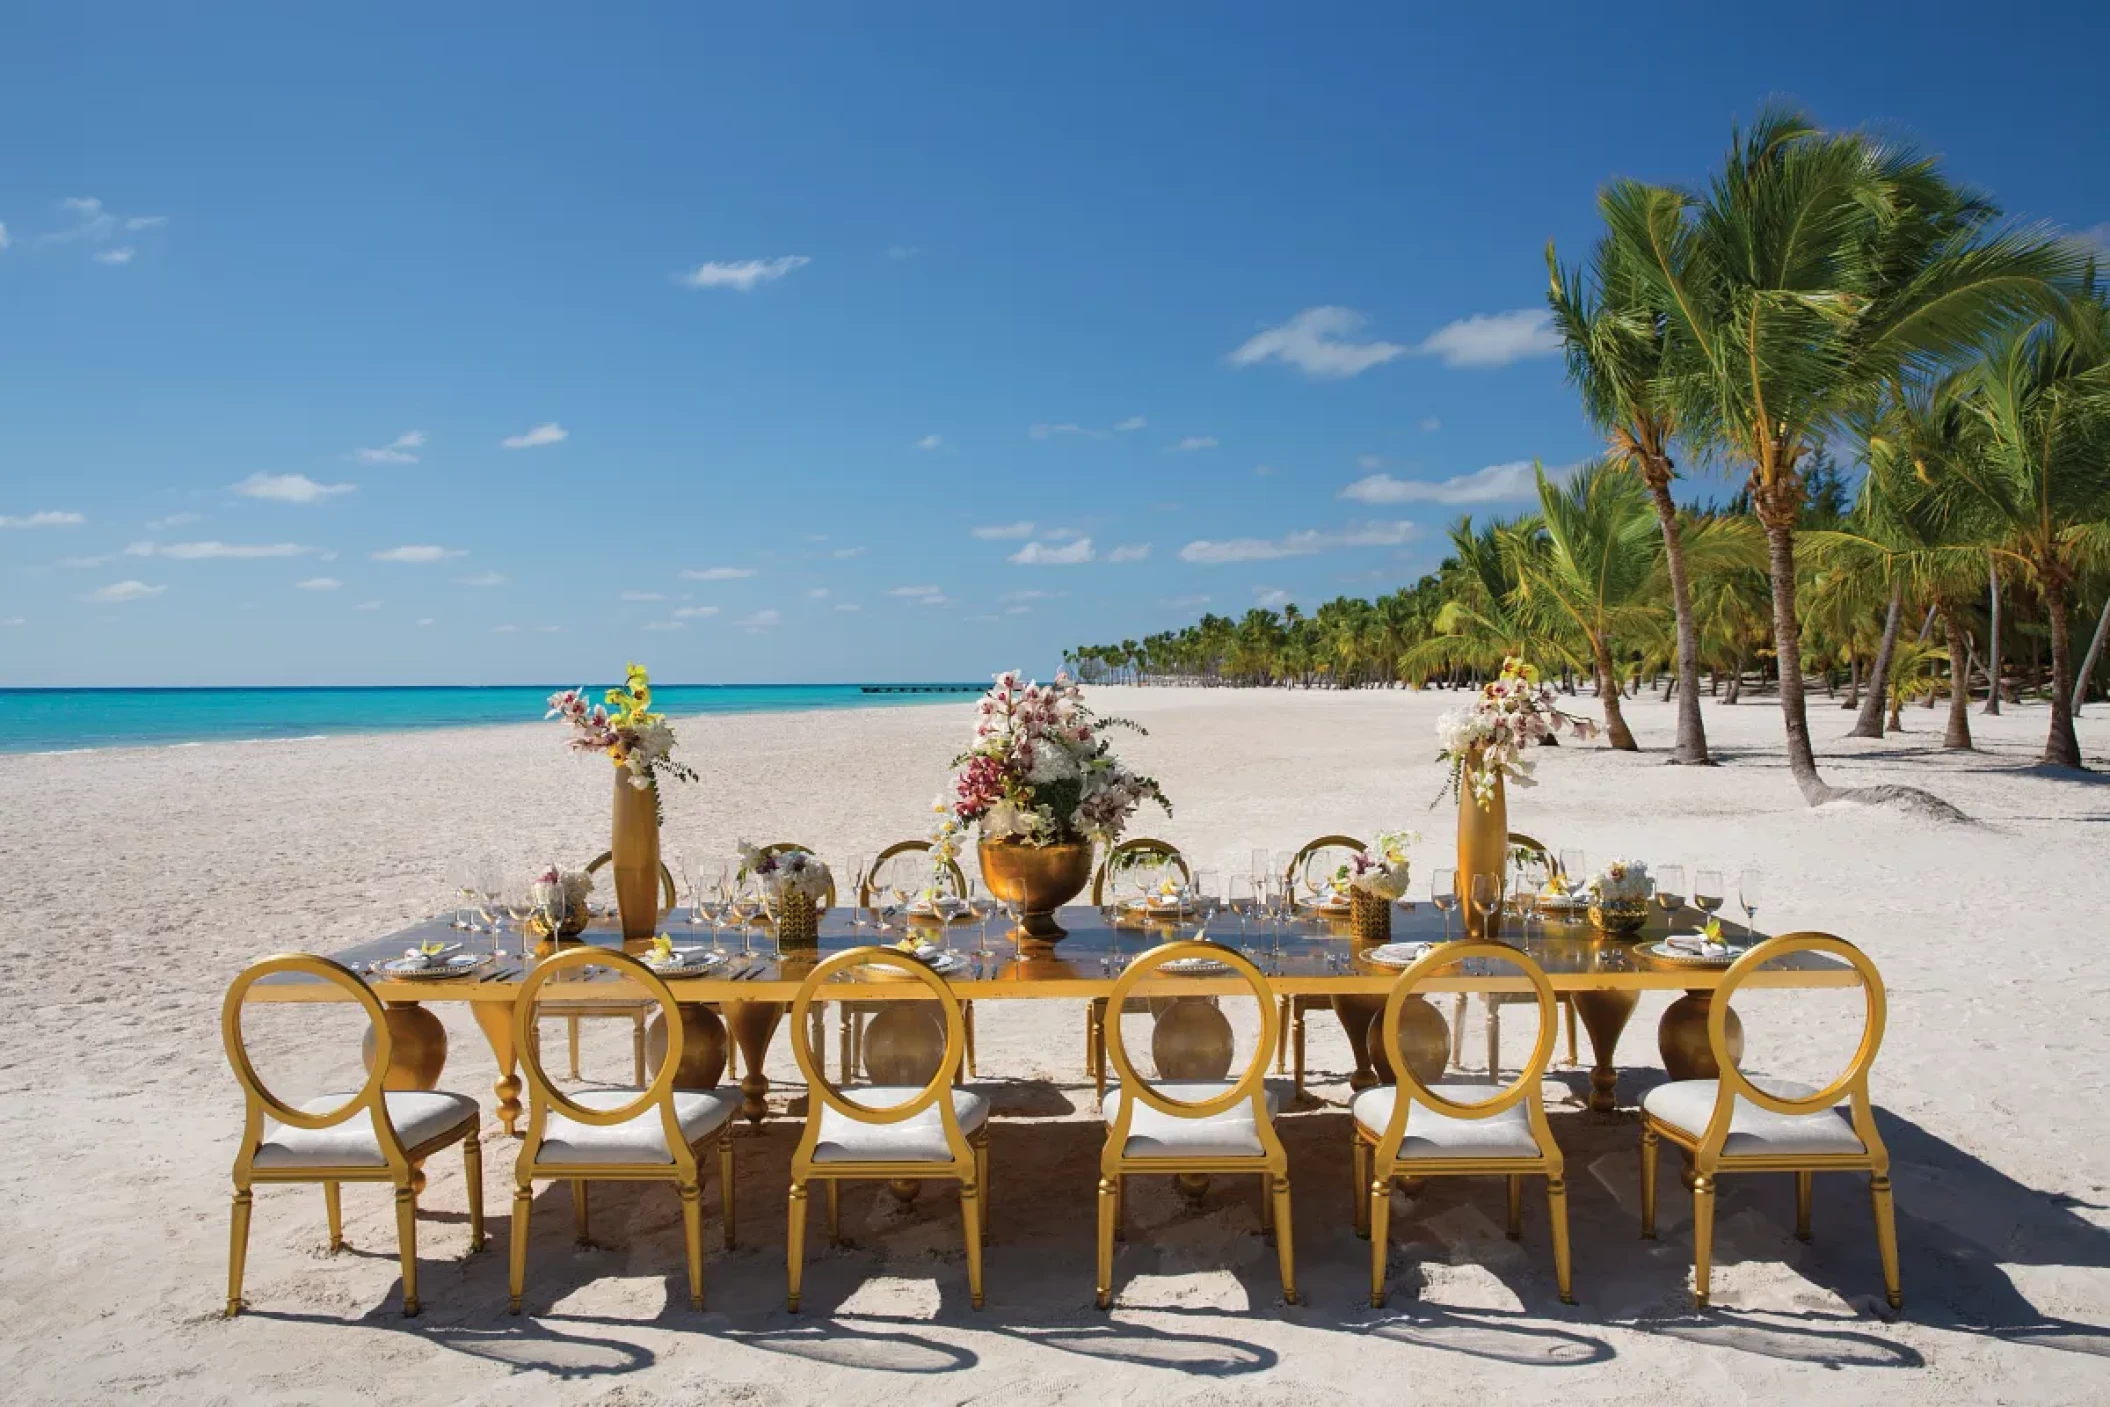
(920,1138)
(1431,1134)
(418,1116)
(1687,1105)
(1231,1134)
(639,1140)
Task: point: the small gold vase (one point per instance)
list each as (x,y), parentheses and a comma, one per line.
(1621,919)
(798,923)
(1369,917)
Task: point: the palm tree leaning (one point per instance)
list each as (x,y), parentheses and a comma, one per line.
(1816,266)
(1616,339)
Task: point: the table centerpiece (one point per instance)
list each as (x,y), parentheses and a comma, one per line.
(1619,895)
(1375,879)
(793,885)
(1042,786)
(558,903)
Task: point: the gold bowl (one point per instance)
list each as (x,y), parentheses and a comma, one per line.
(575,920)
(1039,879)
(1624,917)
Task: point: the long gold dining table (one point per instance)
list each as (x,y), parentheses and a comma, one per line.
(1313,957)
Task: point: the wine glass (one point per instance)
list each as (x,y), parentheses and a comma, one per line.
(1206,891)
(1708,891)
(1256,869)
(978,908)
(1238,898)
(1750,888)
(1530,874)
(1443,892)
(490,889)
(1574,869)
(1487,902)
(1670,891)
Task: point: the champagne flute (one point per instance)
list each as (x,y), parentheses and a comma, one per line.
(1443,892)
(1238,898)
(1207,893)
(978,907)
(1574,869)
(490,888)
(1750,888)
(1708,891)
(1670,892)
(1487,902)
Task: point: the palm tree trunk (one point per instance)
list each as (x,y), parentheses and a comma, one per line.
(2062,748)
(1958,736)
(2095,652)
(1691,747)
(1853,684)
(1992,643)
(1616,732)
(1869,723)
(1787,644)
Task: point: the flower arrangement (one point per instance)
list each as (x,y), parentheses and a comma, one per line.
(634,737)
(786,874)
(1622,882)
(1041,771)
(1381,871)
(559,900)
(1513,711)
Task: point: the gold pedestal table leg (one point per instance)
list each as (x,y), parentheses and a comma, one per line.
(903,1046)
(702,1046)
(495,1019)
(1681,1038)
(753,1024)
(1604,1014)
(1190,1042)
(419,1043)
(1356,1014)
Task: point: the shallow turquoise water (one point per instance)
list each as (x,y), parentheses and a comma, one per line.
(53,720)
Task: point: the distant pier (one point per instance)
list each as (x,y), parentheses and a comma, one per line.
(921,688)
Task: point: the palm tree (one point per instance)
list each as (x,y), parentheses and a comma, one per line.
(1815,266)
(1616,339)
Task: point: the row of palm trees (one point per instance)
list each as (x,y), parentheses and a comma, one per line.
(1824,290)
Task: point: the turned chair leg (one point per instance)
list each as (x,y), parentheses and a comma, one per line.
(1282,1015)
(473,1170)
(1568,1005)
(967,1022)
(1804,1186)
(1359,1165)
(238,1250)
(1107,1214)
(794,1244)
(1516,1206)
(407,1237)
(637,1048)
(333,1207)
(1494,1039)
(1458,1031)
(581,1232)
(1285,1241)
(516,1272)
(835,1210)
(1886,1236)
(725,1183)
(971,1223)
(1557,1214)
(1296,1043)
(692,1239)
(571,1024)
(1379,1199)
(980,1145)
(1650,1150)
(1702,1237)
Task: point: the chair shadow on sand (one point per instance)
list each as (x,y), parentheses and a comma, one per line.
(1962,1224)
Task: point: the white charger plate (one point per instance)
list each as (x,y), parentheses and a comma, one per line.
(449,965)
(1396,954)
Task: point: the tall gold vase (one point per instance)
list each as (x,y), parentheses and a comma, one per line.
(633,839)
(1483,847)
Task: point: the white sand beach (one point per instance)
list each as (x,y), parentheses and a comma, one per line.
(146,879)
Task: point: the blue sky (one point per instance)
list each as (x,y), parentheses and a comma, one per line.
(482,344)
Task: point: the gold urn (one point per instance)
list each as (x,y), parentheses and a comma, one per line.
(1620,918)
(1039,879)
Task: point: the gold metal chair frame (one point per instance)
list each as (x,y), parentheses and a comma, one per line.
(969,1164)
(1291,1041)
(1095,1013)
(401,1166)
(1272,1163)
(1376,1156)
(1497,1000)
(852,1016)
(635,1012)
(683,1168)
(1708,1159)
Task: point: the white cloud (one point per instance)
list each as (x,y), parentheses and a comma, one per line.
(123,254)
(930,442)
(1018,610)
(1135,552)
(1318,342)
(367,606)
(118,592)
(173,520)
(902,251)
(11,620)
(1370,461)
(743,275)
(716,573)
(996,532)
(1134,422)
(319,583)
(666,625)
(1493,339)
(1191,444)
(761,620)
(2096,235)
(1430,422)
(146,222)
(845,553)
(45,519)
(3,245)
(847,606)
(1264,471)
(505,630)
(216,551)
(933,601)
(420,552)
(913,591)
(1032,596)
(643,596)
(695,612)
(90,221)
(549,630)
(1039,554)
(818,593)
(1298,544)
(1493,484)
(86,563)
(396,451)
(1270,596)
(288,488)
(549,432)
(424,620)
(1043,432)
(484,579)
(1178,603)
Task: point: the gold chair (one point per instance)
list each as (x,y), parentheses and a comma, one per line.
(1200,1126)
(1733,1125)
(1291,1041)
(936,1130)
(635,1012)
(853,1015)
(1446,1131)
(371,1135)
(1497,1000)
(617,1135)
(1126,853)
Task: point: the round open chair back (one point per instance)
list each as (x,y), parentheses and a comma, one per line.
(667,896)
(544,1093)
(937,1091)
(1528,1079)
(1520,841)
(783,847)
(1853,1081)
(1135,851)
(1251,1086)
(258,1096)
(955,877)
(1292,880)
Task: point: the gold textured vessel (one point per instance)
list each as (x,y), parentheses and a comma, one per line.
(1369,917)
(1039,879)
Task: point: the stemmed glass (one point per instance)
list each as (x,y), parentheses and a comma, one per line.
(1670,891)
(1530,874)
(742,894)
(1707,891)
(1750,888)
(1443,893)
(1487,902)
(490,889)
(1238,898)
(1574,869)
(978,910)
(463,884)
(1207,894)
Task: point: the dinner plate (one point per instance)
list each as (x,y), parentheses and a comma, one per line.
(1719,955)
(1395,954)
(689,960)
(1194,967)
(452,965)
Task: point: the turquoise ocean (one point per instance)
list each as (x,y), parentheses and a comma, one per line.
(66,720)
